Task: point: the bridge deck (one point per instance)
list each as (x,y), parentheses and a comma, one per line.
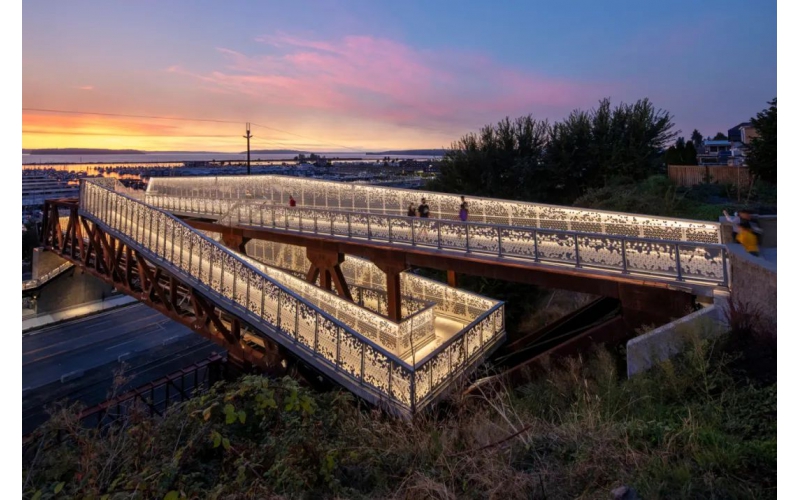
(361,350)
(651,249)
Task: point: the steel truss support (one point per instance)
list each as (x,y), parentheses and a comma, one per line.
(114,262)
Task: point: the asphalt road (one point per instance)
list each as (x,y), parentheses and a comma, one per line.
(77,360)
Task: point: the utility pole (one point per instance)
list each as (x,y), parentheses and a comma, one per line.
(248,136)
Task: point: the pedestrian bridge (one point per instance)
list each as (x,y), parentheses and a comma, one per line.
(225,255)
(250,307)
(591,243)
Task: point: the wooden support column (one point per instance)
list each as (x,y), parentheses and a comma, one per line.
(392,269)
(235,242)
(452,280)
(327,266)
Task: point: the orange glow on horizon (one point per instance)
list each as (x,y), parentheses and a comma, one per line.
(51,130)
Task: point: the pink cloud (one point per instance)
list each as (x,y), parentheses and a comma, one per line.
(380,79)
(85,87)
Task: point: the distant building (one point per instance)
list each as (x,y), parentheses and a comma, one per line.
(36,188)
(743,133)
(714,152)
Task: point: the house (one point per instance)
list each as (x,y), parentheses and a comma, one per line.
(714,152)
(743,133)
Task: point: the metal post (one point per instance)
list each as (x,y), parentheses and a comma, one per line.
(466,227)
(678,261)
(338,344)
(499,243)
(413,239)
(247,293)
(624,256)
(439,235)
(577,254)
(316,332)
(362,364)
(535,246)
(724,267)
(233,287)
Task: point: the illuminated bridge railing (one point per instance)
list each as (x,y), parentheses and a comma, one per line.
(279,313)
(688,261)
(453,303)
(362,198)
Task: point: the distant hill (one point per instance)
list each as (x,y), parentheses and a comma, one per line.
(84,151)
(420,152)
(274,152)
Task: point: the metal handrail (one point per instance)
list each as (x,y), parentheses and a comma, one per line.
(89,206)
(416,223)
(417,194)
(153,256)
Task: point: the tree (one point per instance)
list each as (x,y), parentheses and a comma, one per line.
(682,153)
(502,160)
(697,139)
(762,158)
(528,160)
(720,137)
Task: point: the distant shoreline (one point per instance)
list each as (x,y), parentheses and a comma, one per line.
(78,151)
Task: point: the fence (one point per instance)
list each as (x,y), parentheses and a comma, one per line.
(692,175)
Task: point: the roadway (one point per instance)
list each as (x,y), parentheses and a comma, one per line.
(77,360)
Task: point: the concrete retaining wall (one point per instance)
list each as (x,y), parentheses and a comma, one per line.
(73,288)
(754,281)
(646,351)
(43,262)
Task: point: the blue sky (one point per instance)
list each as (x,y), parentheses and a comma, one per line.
(380,74)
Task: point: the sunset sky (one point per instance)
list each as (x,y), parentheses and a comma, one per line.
(366,75)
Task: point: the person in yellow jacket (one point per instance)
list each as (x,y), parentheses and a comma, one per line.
(748,238)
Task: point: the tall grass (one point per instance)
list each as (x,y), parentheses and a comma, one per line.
(691,428)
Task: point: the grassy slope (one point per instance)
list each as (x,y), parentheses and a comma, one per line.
(698,427)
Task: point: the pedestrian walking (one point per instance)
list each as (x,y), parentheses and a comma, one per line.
(463,212)
(292,203)
(424,209)
(748,238)
(412,210)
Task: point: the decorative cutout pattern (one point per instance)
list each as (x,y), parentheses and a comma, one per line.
(317,324)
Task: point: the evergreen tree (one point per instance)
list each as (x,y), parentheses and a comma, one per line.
(697,139)
(762,158)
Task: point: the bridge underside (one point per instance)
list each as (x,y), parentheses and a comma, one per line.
(643,301)
(105,257)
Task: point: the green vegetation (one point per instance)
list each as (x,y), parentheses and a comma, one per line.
(607,158)
(658,195)
(682,153)
(699,426)
(532,160)
(763,154)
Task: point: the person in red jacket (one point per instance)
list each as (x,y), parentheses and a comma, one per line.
(292,203)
